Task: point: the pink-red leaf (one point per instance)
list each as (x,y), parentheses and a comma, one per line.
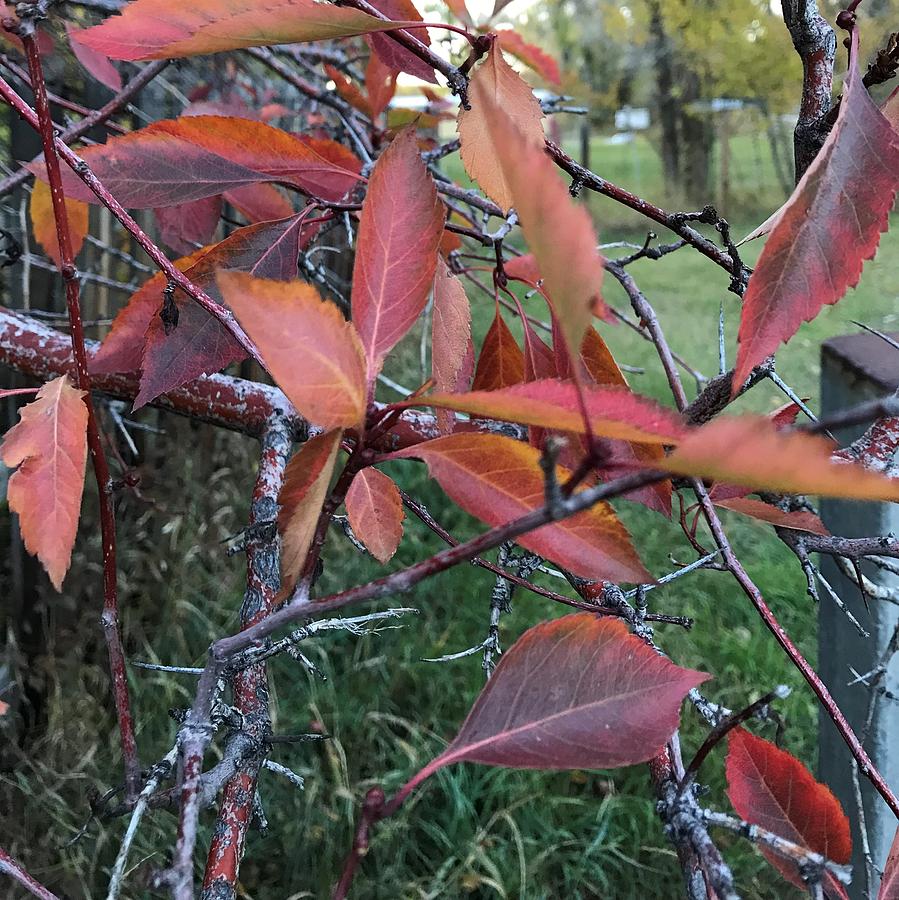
(827,230)
(175,161)
(185,226)
(530,54)
(396,250)
(750,451)
(499,479)
(495,84)
(550,403)
(305,487)
(501,363)
(311,351)
(770,788)
(49,446)
(579,692)
(43,221)
(268,250)
(164,29)
(96,63)
(394,55)
(375,510)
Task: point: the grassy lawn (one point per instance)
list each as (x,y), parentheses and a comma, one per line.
(472,831)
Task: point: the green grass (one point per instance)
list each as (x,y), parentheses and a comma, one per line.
(472,831)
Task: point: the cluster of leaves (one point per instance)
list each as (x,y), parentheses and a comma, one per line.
(580,692)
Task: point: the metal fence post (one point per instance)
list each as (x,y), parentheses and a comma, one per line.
(856,368)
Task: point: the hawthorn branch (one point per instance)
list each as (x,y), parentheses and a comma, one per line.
(816,44)
(250,685)
(11,867)
(110,617)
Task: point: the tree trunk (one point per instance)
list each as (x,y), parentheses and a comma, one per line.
(666,101)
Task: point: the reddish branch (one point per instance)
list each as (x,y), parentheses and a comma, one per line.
(11,867)
(110,616)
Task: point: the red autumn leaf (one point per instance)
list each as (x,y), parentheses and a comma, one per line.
(49,446)
(550,403)
(201,344)
(889,885)
(750,451)
(96,63)
(375,510)
(311,351)
(450,336)
(495,84)
(501,363)
(558,231)
(827,230)
(539,360)
(394,55)
(175,161)
(530,54)
(380,84)
(260,202)
(770,788)
(499,479)
(184,226)
(798,520)
(43,221)
(164,29)
(396,250)
(596,697)
(306,480)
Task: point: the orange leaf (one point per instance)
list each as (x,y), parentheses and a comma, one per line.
(531,55)
(349,91)
(396,250)
(771,788)
(43,222)
(550,403)
(164,29)
(799,520)
(49,445)
(312,352)
(843,201)
(380,85)
(501,363)
(375,510)
(558,231)
(499,479)
(306,480)
(750,451)
(496,84)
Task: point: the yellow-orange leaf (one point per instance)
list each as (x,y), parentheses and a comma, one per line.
(43,222)
(49,445)
(375,510)
(750,451)
(311,351)
(305,487)
(496,84)
(499,479)
(558,231)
